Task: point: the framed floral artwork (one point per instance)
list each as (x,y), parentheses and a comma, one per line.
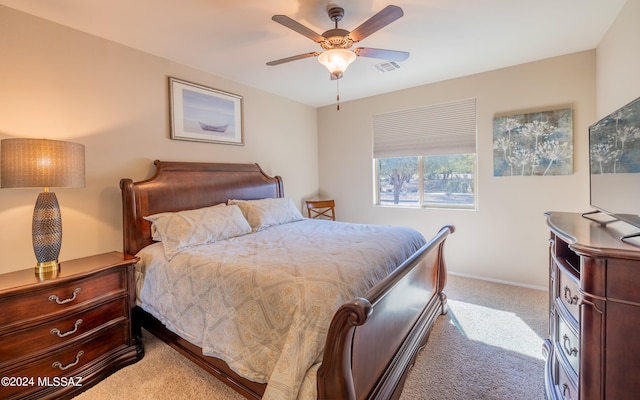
(534,144)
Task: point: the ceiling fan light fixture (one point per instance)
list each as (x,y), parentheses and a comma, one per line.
(337,60)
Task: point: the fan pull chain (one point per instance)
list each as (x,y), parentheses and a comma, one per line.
(338,94)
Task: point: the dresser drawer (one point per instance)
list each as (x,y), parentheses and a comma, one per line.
(568,344)
(566,388)
(68,362)
(42,303)
(568,292)
(27,342)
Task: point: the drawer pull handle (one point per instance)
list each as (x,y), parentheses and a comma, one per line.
(58,364)
(565,390)
(56,331)
(570,299)
(571,351)
(55,298)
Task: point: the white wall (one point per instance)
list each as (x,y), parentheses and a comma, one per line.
(506,239)
(57,83)
(618,61)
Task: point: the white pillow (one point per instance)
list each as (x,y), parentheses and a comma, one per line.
(268,212)
(183,229)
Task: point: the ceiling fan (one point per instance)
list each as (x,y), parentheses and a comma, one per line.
(336,42)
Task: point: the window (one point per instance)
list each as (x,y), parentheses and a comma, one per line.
(426,157)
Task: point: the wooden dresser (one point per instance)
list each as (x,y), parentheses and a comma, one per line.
(593,351)
(59,336)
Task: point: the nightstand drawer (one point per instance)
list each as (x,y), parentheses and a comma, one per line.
(40,303)
(59,332)
(68,362)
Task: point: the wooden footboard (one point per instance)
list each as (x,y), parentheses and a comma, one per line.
(372,341)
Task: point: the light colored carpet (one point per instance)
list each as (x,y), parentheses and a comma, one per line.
(489,346)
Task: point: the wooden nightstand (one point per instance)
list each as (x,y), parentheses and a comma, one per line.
(62,335)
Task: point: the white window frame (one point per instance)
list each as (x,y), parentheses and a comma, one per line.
(441,129)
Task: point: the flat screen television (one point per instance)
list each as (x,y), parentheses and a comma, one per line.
(614,165)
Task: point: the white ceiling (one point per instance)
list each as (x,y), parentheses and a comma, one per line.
(235,38)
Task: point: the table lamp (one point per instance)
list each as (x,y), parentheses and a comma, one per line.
(43,163)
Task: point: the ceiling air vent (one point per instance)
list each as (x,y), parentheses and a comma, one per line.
(387,66)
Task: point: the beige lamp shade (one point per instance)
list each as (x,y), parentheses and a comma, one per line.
(41,163)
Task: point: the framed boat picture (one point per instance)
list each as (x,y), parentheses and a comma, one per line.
(203,114)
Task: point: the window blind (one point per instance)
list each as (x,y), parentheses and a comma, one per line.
(448,128)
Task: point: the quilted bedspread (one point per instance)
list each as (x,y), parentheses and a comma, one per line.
(263,302)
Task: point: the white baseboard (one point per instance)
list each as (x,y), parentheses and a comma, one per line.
(482,278)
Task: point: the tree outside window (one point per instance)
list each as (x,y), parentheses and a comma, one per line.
(398,180)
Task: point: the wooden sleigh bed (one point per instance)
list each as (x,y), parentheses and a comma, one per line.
(372,340)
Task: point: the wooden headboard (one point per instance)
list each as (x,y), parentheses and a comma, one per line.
(178,186)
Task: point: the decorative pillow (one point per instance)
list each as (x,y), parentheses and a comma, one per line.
(268,212)
(189,228)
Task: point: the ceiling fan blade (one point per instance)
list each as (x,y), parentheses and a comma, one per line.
(298,27)
(293,58)
(383,18)
(389,55)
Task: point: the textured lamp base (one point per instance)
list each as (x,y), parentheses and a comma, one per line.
(46,231)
